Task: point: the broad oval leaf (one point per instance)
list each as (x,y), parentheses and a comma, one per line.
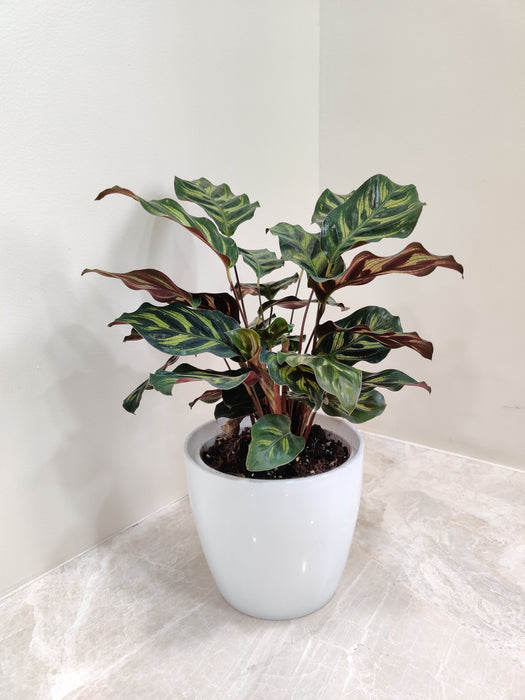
(164,381)
(273,443)
(300,380)
(392,379)
(180,330)
(333,376)
(370,405)
(261,261)
(246,340)
(202,228)
(355,347)
(304,249)
(378,209)
(326,203)
(228,210)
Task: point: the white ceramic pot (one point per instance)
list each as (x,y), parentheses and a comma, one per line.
(276,548)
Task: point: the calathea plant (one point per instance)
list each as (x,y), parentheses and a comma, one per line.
(275,372)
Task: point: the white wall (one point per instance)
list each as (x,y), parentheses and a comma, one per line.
(101,93)
(432,93)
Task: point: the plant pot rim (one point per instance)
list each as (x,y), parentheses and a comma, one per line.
(329,423)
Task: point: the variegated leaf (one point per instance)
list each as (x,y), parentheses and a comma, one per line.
(413,260)
(273,443)
(370,405)
(132,401)
(181,330)
(275,332)
(269,290)
(378,209)
(228,210)
(300,380)
(389,339)
(326,203)
(164,381)
(304,249)
(333,376)
(261,261)
(246,340)
(392,379)
(354,347)
(202,228)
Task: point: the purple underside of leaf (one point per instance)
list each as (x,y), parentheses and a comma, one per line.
(365,267)
(390,339)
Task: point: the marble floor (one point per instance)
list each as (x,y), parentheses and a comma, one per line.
(431,604)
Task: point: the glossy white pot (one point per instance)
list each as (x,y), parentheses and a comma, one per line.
(276,549)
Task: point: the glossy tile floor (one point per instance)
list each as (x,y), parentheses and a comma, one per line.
(431,604)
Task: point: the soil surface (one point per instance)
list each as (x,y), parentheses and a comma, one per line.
(321,454)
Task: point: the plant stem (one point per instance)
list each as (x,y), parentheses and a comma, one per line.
(296,294)
(304,321)
(238,295)
(320,311)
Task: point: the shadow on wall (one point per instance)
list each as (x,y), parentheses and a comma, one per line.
(101,475)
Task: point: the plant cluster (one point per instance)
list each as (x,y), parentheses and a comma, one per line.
(275,372)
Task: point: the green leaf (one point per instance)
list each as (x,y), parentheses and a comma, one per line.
(333,376)
(392,379)
(326,203)
(389,339)
(300,380)
(132,401)
(379,208)
(275,332)
(236,403)
(246,340)
(269,290)
(370,405)
(304,249)
(204,229)
(180,330)
(272,444)
(218,201)
(261,261)
(355,347)
(365,267)
(164,381)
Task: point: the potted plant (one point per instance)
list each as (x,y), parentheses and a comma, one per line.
(275,491)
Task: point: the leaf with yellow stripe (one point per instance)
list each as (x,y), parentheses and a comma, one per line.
(273,443)
(369,405)
(333,376)
(164,381)
(204,229)
(262,261)
(180,330)
(378,209)
(326,203)
(304,249)
(228,210)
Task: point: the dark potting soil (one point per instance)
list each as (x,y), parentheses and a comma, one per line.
(321,454)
